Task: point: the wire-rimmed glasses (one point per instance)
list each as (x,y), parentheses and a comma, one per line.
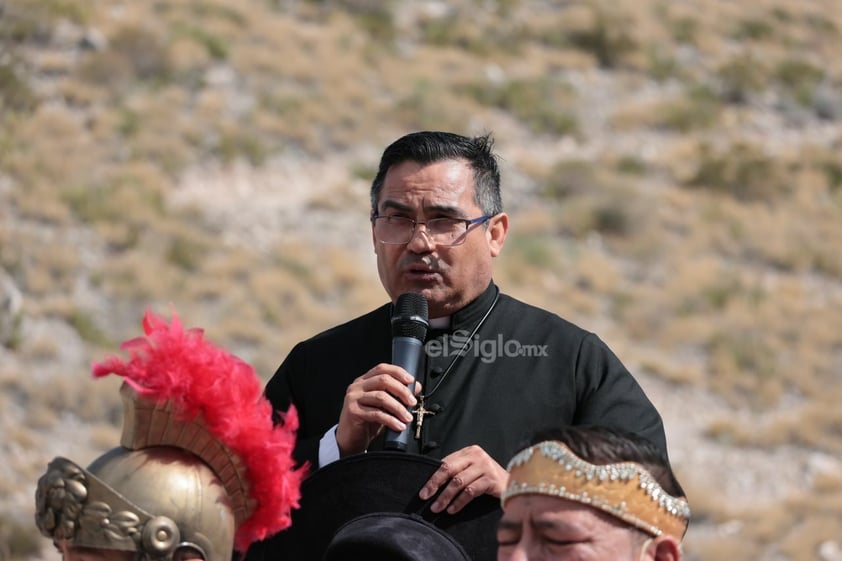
(398,230)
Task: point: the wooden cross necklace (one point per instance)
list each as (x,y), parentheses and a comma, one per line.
(420,411)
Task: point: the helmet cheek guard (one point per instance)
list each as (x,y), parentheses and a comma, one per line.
(167,500)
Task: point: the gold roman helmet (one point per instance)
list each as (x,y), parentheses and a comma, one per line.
(201,467)
(188,508)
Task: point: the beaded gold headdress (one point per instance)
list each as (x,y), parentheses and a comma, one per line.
(624,490)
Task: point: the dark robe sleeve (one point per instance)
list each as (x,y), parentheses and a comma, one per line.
(608,395)
(281,394)
(316,373)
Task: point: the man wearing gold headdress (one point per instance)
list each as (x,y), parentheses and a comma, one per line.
(591,494)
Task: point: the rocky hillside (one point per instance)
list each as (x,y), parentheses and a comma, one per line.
(673,172)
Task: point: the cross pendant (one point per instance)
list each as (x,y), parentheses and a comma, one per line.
(420,413)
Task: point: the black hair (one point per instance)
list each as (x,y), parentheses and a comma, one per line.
(427,147)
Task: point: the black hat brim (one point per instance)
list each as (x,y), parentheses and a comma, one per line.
(377,482)
(393,536)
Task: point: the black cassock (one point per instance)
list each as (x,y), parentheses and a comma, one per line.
(525,369)
(502,371)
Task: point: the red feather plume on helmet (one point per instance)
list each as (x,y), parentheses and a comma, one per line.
(200,381)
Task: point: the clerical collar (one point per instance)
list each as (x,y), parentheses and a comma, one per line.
(468,316)
(441,324)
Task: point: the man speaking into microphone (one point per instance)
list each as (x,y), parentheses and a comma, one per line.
(437,224)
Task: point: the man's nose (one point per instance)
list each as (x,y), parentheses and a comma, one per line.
(421,240)
(519,553)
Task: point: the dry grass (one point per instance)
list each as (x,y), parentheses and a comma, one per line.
(699,215)
(813,426)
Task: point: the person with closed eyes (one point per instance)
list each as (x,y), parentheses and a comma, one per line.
(591,494)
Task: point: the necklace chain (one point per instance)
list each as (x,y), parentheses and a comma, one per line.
(461,352)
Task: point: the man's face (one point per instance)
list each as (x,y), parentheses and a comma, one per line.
(448,277)
(538,527)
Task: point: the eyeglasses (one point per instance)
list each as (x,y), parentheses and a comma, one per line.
(448,232)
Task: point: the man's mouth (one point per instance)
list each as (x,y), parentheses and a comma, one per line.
(420,272)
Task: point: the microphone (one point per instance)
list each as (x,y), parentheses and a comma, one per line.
(409,328)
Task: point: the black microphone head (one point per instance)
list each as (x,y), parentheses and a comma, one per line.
(409,316)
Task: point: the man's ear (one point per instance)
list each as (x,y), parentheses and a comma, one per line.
(496,233)
(373,239)
(666,548)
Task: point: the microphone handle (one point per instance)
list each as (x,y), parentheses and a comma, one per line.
(406,352)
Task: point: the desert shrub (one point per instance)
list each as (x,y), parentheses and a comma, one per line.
(607,38)
(463,30)
(24,21)
(818,425)
(541,103)
(215,46)
(232,143)
(698,108)
(661,65)
(741,77)
(832,170)
(631,165)
(96,203)
(446,31)
(744,367)
(612,217)
(186,249)
(129,122)
(86,327)
(569,178)
(742,171)
(819,23)
(754,29)
(205,11)
(685,29)
(134,54)
(15,93)
(532,250)
(144,50)
(799,78)
(374,17)
(712,296)
(141,275)
(586,200)
(422,108)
